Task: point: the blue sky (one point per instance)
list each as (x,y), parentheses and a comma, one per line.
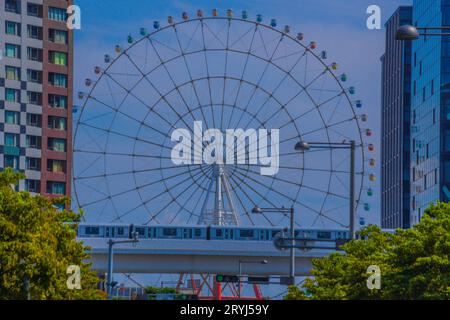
(337,25)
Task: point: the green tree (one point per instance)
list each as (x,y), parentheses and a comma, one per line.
(414,264)
(157,290)
(37,246)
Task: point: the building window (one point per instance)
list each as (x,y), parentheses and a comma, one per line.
(57,123)
(34,32)
(11,162)
(34,10)
(34,98)
(12,117)
(32,185)
(12,28)
(12,140)
(432,87)
(34,142)
(57,188)
(12,50)
(59,58)
(57,14)
(33,164)
(12,6)
(34,76)
(424,93)
(34,120)
(57,101)
(414,88)
(57,79)
(57,144)
(34,54)
(420,67)
(56,166)
(12,73)
(12,95)
(58,36)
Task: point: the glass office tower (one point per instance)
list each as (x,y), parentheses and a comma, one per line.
(395,124)
(430,109)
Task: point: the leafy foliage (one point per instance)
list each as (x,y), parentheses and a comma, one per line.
(157,290)
(414,264)
(37,246)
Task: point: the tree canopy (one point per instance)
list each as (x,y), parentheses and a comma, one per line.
(37,245)
(413,263)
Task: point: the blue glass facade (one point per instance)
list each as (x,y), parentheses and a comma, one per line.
(430,109)
(395,125)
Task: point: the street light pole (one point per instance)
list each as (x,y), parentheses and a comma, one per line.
(408,32)
(133,239)
(110,268)
(305,146)
(292,264)
(259,210)
(352,190)
(240,272)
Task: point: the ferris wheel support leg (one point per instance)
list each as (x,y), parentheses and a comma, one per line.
(180,282)
(227,188)
(217,290)
(258,294)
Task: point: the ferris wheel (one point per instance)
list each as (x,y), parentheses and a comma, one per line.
(218,73)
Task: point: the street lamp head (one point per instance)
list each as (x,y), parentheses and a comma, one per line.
(257,210)
(302,146)
(407,32)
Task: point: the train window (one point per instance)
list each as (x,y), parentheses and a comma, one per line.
(92,230)
(246,233)
(198,232)
(218,232)
(187,233)
(120,231)
(169,232)
(323,235)
(140,231)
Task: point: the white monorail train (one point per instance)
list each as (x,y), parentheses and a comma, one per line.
(203,232)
